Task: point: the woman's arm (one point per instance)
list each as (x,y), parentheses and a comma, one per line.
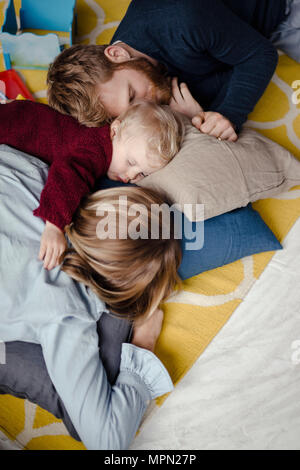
(105,417)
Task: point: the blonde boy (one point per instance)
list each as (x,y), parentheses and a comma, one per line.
(140,141)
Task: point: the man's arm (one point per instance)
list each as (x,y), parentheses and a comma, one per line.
(215,30)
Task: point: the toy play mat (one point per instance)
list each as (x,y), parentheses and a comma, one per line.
(195,316)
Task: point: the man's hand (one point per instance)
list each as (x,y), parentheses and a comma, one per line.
(53,244)
(215,124)
(182,100)
(146,333)
(208,122)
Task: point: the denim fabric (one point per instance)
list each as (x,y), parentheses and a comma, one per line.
(24,373)
(287,36)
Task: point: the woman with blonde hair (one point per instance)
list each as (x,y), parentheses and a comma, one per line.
(126,274)
(132,275)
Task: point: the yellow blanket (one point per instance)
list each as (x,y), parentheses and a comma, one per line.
(196,315)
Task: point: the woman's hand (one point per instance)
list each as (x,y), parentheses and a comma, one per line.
(53,244)
(146,334)
(182,100)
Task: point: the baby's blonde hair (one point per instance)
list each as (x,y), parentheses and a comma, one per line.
(162,128)
(132,276)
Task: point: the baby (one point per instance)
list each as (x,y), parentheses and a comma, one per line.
(137,143)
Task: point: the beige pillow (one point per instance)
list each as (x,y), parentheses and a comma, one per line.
(224,175)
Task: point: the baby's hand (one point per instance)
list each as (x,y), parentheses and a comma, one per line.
(53,244)
(182,100)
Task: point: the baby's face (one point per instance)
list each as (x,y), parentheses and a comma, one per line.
(129,160)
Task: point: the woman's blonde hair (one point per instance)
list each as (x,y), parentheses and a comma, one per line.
(162,128)
(131,275)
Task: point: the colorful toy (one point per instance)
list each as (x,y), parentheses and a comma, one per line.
(29,48)
(13,87)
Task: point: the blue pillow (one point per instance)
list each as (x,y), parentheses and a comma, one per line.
(227,238)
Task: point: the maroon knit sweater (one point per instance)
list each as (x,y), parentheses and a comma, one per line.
(78,155)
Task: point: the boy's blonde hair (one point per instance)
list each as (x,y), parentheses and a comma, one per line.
(162,128)
(132,276)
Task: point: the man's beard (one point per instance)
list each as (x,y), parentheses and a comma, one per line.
(157,74)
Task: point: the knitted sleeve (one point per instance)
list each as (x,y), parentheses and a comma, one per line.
(68,182)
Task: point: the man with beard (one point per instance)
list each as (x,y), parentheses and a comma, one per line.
(96,83)
(219,48)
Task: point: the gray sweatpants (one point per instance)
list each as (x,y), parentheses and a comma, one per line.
(287,35)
